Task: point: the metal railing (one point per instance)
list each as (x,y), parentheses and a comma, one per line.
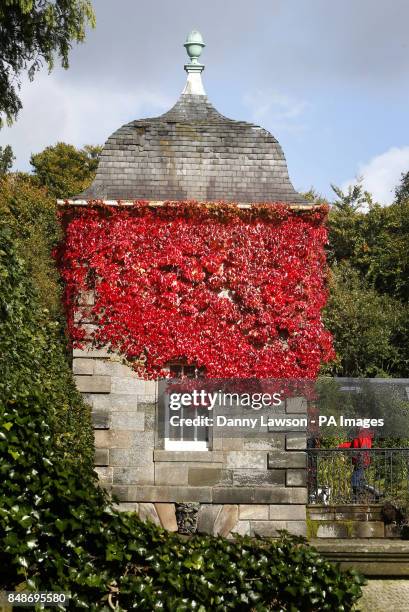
(358,476)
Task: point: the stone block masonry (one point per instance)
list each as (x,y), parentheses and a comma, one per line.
(349,521)
(241,486)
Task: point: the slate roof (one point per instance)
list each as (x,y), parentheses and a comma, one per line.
(192,152)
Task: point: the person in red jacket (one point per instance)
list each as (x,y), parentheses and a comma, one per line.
(360,461)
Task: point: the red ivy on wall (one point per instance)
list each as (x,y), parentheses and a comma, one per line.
(236,291)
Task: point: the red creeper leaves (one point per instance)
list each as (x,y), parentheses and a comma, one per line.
(238,292)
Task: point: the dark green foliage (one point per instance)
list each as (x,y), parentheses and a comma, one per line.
(34,32)
(6,159)
(374,242)
(64,170)
(30,213)
(353,200)
(368,310)
(402,190)
(58,530)
(33,360)
(364,325)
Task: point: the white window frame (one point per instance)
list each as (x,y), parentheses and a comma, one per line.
(183,445)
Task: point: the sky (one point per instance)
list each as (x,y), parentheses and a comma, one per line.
(330,80)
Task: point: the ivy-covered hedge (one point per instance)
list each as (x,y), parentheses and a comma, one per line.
(33,349)
(30,214)
(59,531)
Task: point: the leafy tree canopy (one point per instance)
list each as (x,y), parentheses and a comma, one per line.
(34,32)
(368,310)
(402,190)
(65,170)
(6,159)
(364,325)
(353,200)
(375,241)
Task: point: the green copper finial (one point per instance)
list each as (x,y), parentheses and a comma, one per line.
(194,46)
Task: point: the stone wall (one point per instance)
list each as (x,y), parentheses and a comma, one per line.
(348,521)
(247,486)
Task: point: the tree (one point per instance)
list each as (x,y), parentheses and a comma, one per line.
(353,200)
(6,159)
(364,325)
(344,225)
(313,196)
(33,32)
(402,190)
(375,242)
(65,170)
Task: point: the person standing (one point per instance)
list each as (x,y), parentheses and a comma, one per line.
(360,461)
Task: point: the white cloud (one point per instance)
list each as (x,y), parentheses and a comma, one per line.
(54,110)
(382,174)
(281,110)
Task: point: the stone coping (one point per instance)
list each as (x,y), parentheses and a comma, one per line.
(160,203)
(372,557)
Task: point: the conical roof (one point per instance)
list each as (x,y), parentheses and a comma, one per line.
(192,152)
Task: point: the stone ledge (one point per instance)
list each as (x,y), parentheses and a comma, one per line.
(343,512)
(376,557)
(177,494)
(347,529)
(217,495)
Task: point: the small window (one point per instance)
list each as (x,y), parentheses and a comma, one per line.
(194,438)
(181,370)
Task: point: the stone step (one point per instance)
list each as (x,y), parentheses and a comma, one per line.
(372,557)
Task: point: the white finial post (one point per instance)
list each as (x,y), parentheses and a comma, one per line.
(194,46)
